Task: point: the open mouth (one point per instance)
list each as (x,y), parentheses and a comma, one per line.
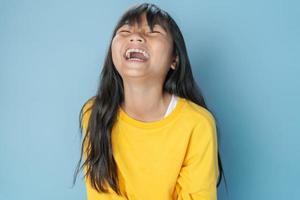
(134,54)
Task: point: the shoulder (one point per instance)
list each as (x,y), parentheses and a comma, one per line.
(86,112)
(203,124)
(88,104)
(197,114)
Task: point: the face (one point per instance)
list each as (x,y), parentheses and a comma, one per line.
(157,47)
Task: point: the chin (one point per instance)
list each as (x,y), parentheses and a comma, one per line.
(127,72)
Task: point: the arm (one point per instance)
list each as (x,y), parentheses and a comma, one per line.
(199,173)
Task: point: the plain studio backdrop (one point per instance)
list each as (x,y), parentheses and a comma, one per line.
(245,58)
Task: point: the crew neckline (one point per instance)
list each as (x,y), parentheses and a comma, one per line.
(153,124)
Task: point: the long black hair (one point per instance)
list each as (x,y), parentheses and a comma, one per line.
(100,165)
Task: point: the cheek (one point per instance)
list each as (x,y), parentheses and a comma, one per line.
(163,44)
(115,50)
(162,49)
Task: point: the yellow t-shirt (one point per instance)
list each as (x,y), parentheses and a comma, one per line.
(173,158)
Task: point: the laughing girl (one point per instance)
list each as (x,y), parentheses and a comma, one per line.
(148,134)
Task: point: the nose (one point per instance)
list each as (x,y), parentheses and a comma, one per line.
(136,37)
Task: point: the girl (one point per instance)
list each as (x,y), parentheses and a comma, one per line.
(147,132)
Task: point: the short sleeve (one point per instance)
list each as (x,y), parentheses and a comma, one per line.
(199,173)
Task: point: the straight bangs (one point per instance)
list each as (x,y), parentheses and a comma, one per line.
(154,15)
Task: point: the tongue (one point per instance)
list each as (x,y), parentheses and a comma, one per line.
(137,55)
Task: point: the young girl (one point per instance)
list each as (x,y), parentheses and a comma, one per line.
(148,134)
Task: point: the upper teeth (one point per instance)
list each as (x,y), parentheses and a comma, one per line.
(136,50)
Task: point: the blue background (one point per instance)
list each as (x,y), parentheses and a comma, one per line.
(245,58)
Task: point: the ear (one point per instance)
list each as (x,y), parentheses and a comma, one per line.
(175,62)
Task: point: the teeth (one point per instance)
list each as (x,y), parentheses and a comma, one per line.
(136,50)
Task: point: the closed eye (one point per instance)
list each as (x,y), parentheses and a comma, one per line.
(154,32)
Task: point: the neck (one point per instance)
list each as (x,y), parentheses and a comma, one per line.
(145,103)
